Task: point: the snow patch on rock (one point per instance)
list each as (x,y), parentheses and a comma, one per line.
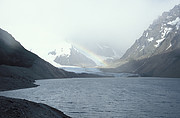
(164,32)
(169,46)
(175,22)
(142,48)
(158,42)
(150,39)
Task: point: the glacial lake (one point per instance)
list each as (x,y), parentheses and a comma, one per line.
(122,97)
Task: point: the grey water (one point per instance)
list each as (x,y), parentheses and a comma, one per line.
(135,97)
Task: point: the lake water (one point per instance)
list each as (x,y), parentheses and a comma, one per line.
(108,97)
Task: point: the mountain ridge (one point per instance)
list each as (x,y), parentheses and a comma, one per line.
(156,52)
(160,37)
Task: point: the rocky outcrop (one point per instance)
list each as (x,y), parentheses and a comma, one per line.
(17,108)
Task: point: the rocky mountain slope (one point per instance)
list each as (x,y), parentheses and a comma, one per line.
(156,52)
(162,65)
(161,36)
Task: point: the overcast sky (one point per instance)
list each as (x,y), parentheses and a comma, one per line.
(44,25)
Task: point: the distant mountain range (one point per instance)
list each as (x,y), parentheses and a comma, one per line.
(157,51)
(74,56)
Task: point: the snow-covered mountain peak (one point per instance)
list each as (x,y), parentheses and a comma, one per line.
(78,55)
(52,52)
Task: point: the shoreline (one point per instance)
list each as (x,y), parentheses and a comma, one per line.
(10,83)
(21,108)
(11,109)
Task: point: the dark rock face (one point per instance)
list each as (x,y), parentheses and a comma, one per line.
(162,65)
(157,51)
(161,36)
(75,58)
(16,61)
(17,108)
(12,53)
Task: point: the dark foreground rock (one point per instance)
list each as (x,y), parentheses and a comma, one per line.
(7,83)
(17,108)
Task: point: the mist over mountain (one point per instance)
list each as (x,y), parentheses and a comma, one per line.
(78,55)
(156,52)
(74,43)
